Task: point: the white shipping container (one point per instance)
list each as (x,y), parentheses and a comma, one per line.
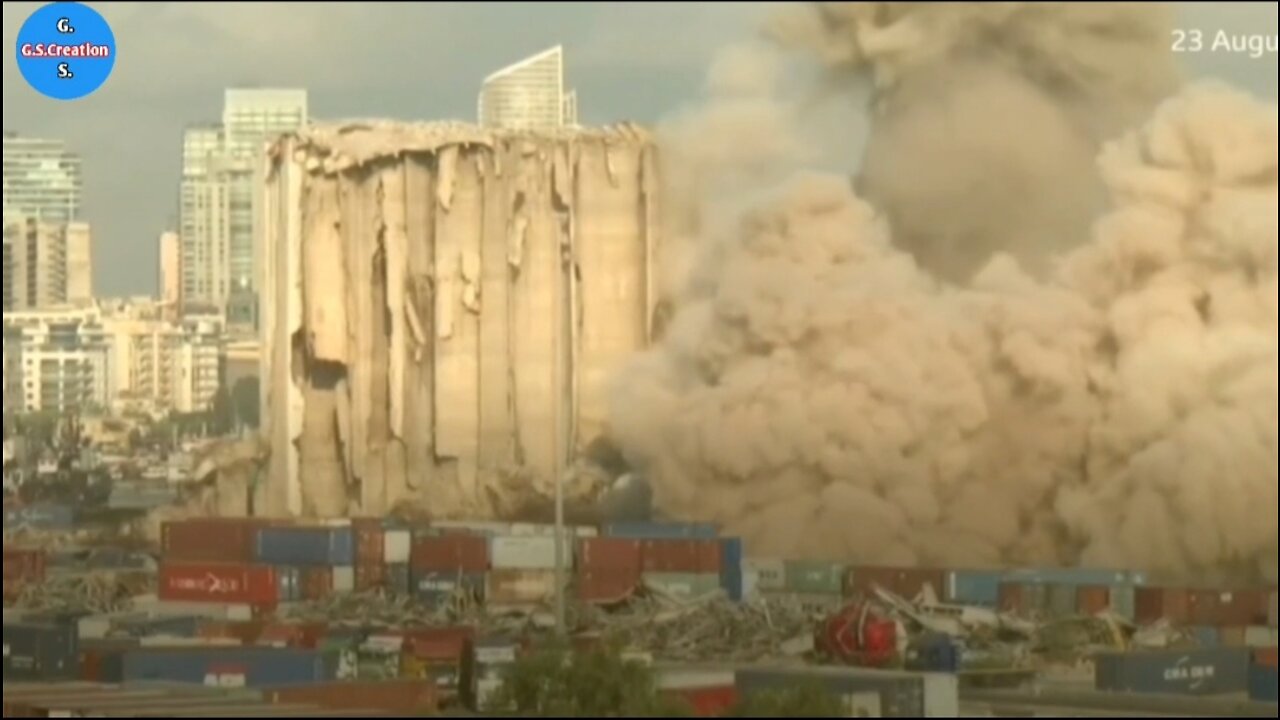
(1257,636)
(495,654)
(519,587)
(395,546)
(770,575)
(211,611)
(93,627)
(344,579)
(941,695)
(482,527)
(527,552)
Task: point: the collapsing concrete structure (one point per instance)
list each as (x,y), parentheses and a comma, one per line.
(443,308)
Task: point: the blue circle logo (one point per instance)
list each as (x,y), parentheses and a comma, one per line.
(66,50)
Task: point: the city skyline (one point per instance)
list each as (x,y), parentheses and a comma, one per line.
(634,62)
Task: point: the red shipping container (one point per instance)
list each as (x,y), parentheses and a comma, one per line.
(211,540)
(906,582)
(369,541)
(610,554)
(246,632)
(1151,604)
(1092,599)
(606,586)
(1266,657)
(93,653)
(297,635)
(207,582)
(450,553)
(369,577)
(441,643)
(1236,607)
(316,583)
(680,556)
(389,696)
(706,702)
(23,565)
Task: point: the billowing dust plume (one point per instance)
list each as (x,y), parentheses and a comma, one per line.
(821,394)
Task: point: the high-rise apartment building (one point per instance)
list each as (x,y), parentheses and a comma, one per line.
(529,95)
(35,263)
(220,166)
(56,361)
(79,253)
(41,179)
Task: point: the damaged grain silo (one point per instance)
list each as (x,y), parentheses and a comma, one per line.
(442,308)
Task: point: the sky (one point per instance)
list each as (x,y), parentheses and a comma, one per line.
(413,61)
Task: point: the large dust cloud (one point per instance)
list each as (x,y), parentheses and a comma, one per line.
(905,377)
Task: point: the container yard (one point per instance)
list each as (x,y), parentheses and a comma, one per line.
(379,615)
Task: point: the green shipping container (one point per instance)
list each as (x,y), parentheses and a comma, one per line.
(814,578)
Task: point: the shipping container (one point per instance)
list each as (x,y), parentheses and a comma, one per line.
(731,577)
(683,586)
(974,587)
(572,531)
(520,587)
(307,636)
(344,579)
(1062,600)
(46,517)
(902,694)
(450,553)
(370,541)
(210,540)
(609,554)
(395,696)
(1023,598)
(22,565)
(438,643)
(807,577)
(1124,601)
(768,575)
(477,527)
(93,651)
(1093,599)
(1073,576)
(146,624)
(1271,610)
(209,582)
(40,652)
(1232,636)
(316,583)
(1205,636)
(1265,656)
(527,552)
(1260,636)
(368,577)
(434,588)
(605,586)
(379,657)
(1196,671)
(1262,683)
(661,531)
(1152,604)
(220,666)
(905,582)
(397,546)
(680,556)
(1237,607)
(305,546)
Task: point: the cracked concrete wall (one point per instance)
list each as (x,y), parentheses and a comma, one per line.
(444,306)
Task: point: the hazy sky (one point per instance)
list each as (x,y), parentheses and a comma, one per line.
(413,61)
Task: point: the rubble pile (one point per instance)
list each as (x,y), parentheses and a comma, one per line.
(100,592)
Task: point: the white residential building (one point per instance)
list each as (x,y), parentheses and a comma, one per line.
(35,263)
(529,95)
(78,245)
(62,358)
(41,179)
(220,166)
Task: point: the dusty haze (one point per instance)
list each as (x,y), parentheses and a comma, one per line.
(909,379)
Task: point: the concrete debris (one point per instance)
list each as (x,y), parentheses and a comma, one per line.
(94,593)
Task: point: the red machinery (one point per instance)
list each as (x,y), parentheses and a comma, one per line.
(859,635)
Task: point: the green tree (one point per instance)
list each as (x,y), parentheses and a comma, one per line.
(245,395)
(554,682)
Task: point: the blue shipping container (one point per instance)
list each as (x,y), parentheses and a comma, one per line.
(247,667)
(731,568)
(1198,671)
(45,516)
(435,588)
(1262,683)
(306,546)
(1206,636)
(662,531)
(974,587)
